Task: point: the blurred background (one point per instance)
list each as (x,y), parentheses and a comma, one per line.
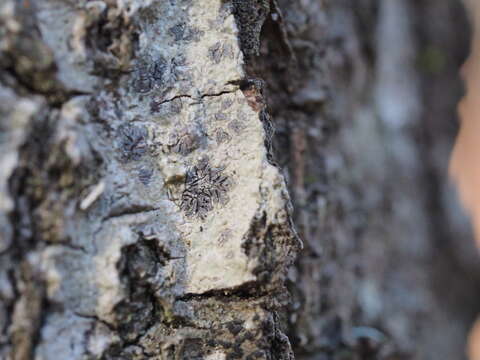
(390,268)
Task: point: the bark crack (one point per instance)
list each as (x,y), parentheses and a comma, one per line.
(198,99)
(244,292)
(97,319)
(137,210)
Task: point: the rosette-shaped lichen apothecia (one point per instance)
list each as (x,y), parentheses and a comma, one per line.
(204,187)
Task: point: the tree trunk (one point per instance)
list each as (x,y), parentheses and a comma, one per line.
(144,200)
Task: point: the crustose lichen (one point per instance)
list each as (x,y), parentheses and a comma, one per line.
(133,143)
(204,187)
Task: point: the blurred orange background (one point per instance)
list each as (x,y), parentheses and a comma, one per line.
(465,160)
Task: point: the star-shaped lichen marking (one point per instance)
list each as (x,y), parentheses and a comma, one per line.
(205,186)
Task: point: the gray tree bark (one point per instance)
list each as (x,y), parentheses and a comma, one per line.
(144,200)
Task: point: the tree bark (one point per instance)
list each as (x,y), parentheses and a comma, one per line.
(144,200)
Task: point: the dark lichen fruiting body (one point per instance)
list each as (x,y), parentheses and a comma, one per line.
(149,75)
(178,31)
(159,69)
(222,136)
(143,81)
(133,141)
(145,175)
(184,142)
(204,187)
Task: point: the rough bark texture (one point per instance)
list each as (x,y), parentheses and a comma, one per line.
(144,210)
(142,215)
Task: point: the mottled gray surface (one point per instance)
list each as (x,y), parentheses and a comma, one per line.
(143,214)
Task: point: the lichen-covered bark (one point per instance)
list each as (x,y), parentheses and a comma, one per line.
(144,210)
(142,215)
